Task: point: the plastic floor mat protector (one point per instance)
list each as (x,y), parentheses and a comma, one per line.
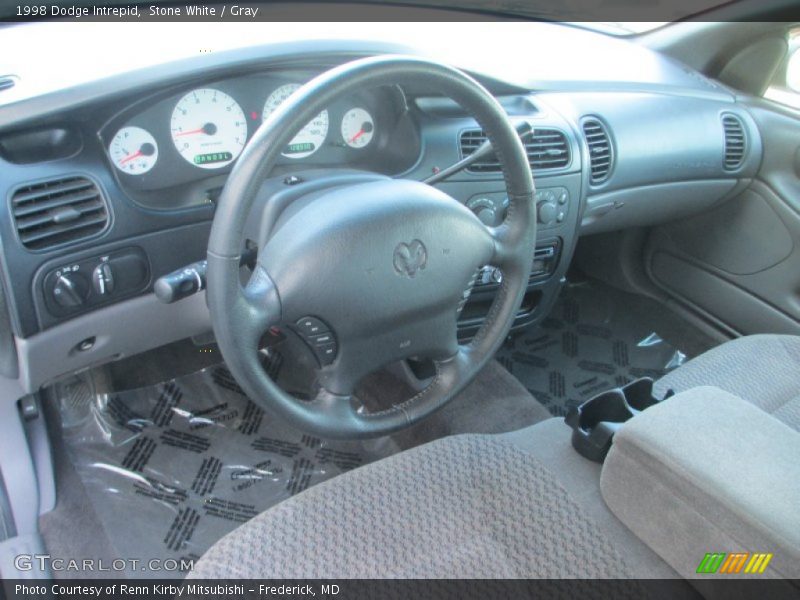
(172,468)
(595,339)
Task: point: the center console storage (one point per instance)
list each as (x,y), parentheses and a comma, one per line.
(711,483)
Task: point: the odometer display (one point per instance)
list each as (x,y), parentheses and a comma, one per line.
(215,157)
(311,137)
(208,128)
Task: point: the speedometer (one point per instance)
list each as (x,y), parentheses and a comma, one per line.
(311,136)
(209,128)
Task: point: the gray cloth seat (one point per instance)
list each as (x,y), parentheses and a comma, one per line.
(467,506)
(484,506)
(762,369)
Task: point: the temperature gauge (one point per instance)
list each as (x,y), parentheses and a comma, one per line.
(133,150)
(357,128)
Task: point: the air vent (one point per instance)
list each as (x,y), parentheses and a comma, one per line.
(601,155)
(58,212)
(7,81)
(547,149)
(734,142)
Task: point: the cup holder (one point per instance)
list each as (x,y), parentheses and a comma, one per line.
(595,422)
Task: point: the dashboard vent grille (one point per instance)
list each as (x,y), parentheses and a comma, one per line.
(734,142)
(7,81)
(546,148)
(600,153)
(59,211)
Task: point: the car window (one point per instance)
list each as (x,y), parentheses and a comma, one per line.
(785,86)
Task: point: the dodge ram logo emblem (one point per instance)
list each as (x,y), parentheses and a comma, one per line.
(410,258)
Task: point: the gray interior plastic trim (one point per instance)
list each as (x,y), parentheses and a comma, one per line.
(119,330)
(660,139)
(699,287)
(653,204)
(39,446)
(16,463)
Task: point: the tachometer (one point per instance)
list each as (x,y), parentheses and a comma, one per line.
(133,150)
(209,128)
(357,128)
(311,136)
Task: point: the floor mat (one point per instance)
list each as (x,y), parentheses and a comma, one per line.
(597,338)
(171,468)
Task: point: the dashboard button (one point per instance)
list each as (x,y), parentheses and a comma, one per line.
(326,353)
(103,279)
(310,326)
(321,340)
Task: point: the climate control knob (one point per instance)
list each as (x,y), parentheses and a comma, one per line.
(548,213)
(485,209)
(70,290)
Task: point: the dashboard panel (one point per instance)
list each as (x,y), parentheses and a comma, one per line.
(665,149)
(161,149)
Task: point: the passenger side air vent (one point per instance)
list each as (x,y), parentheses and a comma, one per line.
(734,142)
(59,211)
(601,155)
(547,149)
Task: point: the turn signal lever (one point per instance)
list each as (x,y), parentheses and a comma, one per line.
(181,283)
(190,279)
(524,130)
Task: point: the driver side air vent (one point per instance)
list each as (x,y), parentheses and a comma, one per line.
(547,149)
(58,211)
(734,142)
(601,156)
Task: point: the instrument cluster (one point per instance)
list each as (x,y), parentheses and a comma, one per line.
(199,132)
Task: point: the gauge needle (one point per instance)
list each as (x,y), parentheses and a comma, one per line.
(358,135)
(130,157)
(192,132)
(208,128)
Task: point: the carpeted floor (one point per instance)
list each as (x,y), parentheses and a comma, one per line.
(597,338)
(170,468)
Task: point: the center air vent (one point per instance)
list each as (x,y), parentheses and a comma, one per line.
(734,142)
(58,212)
(546,148)
(601,156)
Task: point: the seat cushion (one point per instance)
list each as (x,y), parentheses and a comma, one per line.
(762,369)
(468,506)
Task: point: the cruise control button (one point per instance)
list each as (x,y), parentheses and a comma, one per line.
(326,353)
(308,326)
(322,339)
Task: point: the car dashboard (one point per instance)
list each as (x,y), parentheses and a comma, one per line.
(109,191)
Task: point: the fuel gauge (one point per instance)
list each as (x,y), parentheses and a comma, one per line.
(133,150)
(357,128)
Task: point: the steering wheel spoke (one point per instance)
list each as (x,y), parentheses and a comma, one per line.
(259,306)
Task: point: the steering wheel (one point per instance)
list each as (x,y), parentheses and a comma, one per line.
(369,271)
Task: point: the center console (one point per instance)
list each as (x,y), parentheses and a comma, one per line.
(558,207)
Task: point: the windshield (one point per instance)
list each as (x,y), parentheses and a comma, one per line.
(622,28)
